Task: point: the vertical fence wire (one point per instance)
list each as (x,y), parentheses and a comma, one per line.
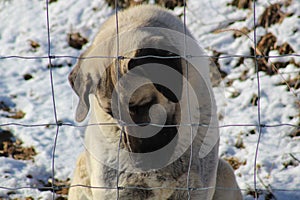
(188,101)
(117,60)
(50,57)
(259,126)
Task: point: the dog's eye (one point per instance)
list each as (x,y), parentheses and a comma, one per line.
(136,109)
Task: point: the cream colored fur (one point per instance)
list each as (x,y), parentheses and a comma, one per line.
(94,179)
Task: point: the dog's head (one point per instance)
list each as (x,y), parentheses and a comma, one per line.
(144,89)
(141,90)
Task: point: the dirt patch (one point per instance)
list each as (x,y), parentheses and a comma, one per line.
(59,65)
(13,147)
(76,40)
(27,76)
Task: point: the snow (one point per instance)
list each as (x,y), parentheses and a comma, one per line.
(23,21)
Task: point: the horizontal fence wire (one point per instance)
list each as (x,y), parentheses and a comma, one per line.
(150,124)
(59,124)
(223,56)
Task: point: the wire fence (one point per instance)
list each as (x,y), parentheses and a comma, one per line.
(58,124)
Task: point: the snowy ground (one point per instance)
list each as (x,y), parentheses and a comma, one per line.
(214,24)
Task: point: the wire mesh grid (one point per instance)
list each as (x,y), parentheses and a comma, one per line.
(259,125)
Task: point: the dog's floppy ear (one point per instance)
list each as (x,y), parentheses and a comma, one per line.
(82,83)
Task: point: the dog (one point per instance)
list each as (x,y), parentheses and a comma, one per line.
(143,95)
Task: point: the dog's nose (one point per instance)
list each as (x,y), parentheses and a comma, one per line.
(150,144)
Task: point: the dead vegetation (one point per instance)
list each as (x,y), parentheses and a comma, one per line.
(269,43)
(241,4)
(34,45)
(235,162)
(239,143)
(76,40)
(9,110)
(267,194)
(241,32)
(13,148)
(271,15)
(266,44)
(61,187)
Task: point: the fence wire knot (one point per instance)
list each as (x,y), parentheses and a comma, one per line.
(262,125)
(52,57)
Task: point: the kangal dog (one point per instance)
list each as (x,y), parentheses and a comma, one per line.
(158,135)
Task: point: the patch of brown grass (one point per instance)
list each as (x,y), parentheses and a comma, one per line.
(12,147)
(271,15)
(266,44)
(235,162)
(241,4)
